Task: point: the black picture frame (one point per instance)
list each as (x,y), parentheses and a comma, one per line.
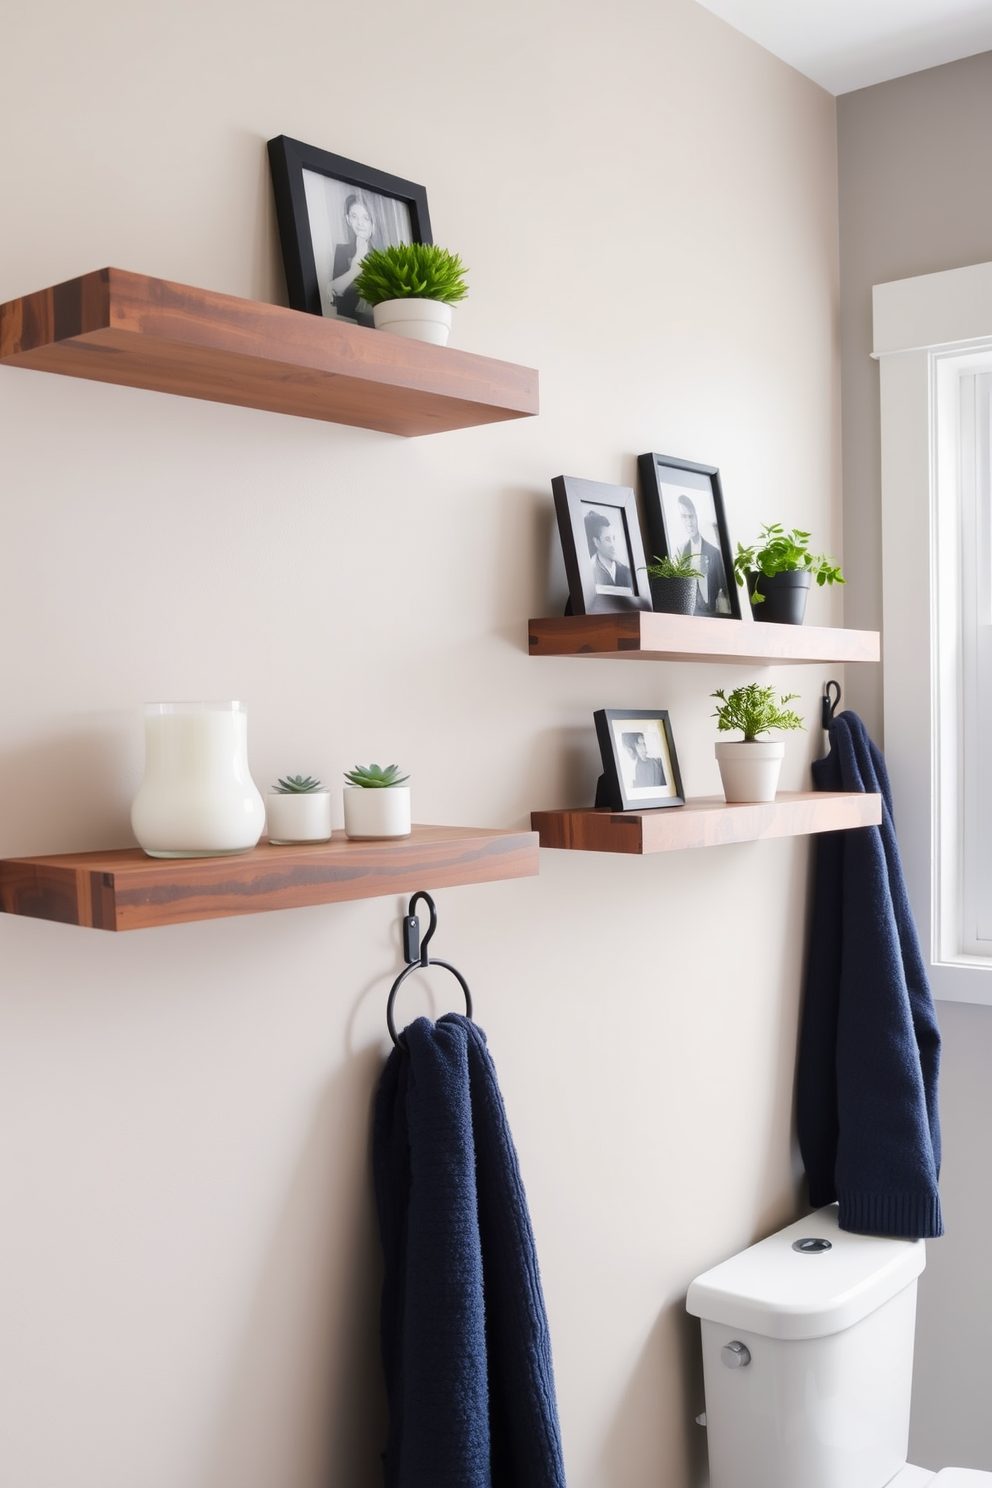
(312,189)
(592,512)
(667,485)
(617,730)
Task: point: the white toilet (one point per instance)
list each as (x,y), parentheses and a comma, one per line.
(808,1362)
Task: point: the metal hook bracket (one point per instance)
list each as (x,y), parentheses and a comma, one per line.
(829,703)
(415,955)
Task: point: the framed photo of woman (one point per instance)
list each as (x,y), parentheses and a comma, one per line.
(640,766)
(331,211)
(683,511)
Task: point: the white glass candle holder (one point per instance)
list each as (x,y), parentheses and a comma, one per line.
(197,799)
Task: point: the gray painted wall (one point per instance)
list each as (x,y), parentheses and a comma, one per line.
(913,160)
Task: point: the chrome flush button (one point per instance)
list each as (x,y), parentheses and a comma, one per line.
(811,1245)
(735,1355)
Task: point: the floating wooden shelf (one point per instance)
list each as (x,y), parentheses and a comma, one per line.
(643,635)
(707,821)
(113,326)
(126,890)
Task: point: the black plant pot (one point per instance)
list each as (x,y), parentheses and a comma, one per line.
(674,596)
(785,596)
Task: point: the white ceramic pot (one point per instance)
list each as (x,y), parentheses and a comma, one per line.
(421,320)
(197,799)
(298,816)
(373,813)
(750,771)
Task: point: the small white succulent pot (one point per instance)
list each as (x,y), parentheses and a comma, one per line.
(750,771)
(303,816)
(420,320)
(372,813)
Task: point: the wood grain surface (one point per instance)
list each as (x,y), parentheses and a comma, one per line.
(114,326)
(647,636)
(707,821)
(127,890)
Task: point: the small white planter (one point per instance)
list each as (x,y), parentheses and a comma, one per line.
(373,813)
(750,771)
(421,320)
(303,816)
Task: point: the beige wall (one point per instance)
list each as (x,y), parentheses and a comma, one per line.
(647,202)
(914,199)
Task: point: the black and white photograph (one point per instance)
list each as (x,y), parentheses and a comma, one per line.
(683,512)
(602,546)
(331,212)
(640,766)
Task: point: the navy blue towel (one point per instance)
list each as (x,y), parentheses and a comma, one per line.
(869,1049)
(465,1344)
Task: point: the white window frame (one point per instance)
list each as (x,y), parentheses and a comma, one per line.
(927,332)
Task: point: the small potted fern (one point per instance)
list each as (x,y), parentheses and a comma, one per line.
(411,288)
(750,768)
(376,803)
(298,809)
(674,584)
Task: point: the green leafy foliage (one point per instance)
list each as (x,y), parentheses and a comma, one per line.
(673,568)
(418,271)
(297,785)
(371,777)
(754,710)
(778,551)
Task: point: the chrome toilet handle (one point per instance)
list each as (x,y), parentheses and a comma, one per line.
(735,1355)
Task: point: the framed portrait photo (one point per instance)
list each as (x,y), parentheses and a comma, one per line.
(640,766)
(683,512)
(602,547)
(331,211)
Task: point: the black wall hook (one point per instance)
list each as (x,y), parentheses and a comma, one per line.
(415,953)
(829,704)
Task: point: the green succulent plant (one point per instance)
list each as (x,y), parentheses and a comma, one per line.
(372,777)
(778,551)
(754,710)
(418,271)
(674,568)
(296,785)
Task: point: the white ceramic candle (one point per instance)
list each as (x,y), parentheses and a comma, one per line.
(197,799)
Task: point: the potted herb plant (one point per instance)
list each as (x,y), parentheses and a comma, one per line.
(778,570)
(673,584)
(298,809)
(750,767)
(376,803)
(411,288)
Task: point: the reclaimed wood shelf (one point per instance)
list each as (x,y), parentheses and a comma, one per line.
(126,890)
(707,821)
(643,635)
(114,326)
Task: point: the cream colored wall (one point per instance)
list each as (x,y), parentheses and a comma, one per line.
(647,202)
(913,167)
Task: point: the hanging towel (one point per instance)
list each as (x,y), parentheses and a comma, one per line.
(869,1049)
(465,1344)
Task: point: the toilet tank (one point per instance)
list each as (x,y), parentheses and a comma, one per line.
(808,1357)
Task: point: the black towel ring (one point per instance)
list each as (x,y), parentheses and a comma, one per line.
(829,704)
(415,954)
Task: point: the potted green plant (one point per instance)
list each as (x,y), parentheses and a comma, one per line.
(376,803)
(778,570)
(411,288)
(750,768)
(673,584)
(298,809)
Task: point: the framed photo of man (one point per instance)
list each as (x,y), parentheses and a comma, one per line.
(683,512)
(602,547)
(640,766)
(331,211)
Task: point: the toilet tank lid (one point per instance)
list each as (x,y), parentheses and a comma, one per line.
(783,1293)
